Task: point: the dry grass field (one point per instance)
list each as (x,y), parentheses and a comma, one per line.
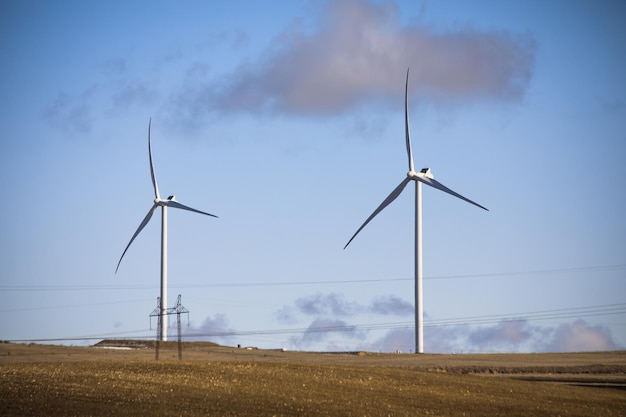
(45,380)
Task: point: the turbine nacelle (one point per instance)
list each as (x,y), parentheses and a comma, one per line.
(161,202)
(427,173)
(424,173)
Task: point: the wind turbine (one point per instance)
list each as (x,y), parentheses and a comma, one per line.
(424,176)
(164,204)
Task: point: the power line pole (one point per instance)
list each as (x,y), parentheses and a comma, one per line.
(157,313)
(161,313)
(180,309)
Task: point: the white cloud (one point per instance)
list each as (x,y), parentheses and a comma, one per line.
(360,53)
(354,60)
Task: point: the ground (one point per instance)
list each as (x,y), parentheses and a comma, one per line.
(124,379)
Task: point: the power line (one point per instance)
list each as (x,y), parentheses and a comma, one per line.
(71,306)
(588,311)
(98,336)
(300,283)
(608,309)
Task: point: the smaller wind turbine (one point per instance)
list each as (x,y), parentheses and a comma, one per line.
(164,204)
(424,176)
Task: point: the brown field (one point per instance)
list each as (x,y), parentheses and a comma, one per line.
(46,380)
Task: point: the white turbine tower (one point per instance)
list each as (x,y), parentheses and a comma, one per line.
(164,204)
(424,176)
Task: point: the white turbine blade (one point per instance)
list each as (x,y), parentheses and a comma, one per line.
(436,184)
(394,194)
(409,151)
(154,181)
(176,204)
(139,229)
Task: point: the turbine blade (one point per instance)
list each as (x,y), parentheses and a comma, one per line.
(409,151)
(394,194)
(139,229)
(436,184)
(154,181)
(176,204)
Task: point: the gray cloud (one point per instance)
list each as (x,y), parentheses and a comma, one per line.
(132,93)
(71,114)
(114,66)
(505,336)
(580,337)
(612,105)
(321,330)
(117,92)
(329,326)
(286,314)
(326,304)
(214,329)
(510,335)
(354,60)
(402,340)
(391,305)
(335,305)
(359,54)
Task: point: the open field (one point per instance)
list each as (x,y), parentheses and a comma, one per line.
(49,380)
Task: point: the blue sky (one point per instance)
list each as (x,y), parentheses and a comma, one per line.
(286,120)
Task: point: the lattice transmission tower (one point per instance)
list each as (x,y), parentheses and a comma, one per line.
(178,309)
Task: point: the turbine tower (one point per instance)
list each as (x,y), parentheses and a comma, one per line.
(164,204)
(424,176)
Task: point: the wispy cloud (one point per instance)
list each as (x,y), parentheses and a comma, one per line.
(71,114)
(359,54)
(131,93)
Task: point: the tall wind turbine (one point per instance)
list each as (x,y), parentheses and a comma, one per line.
(424,176)
(164,204)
